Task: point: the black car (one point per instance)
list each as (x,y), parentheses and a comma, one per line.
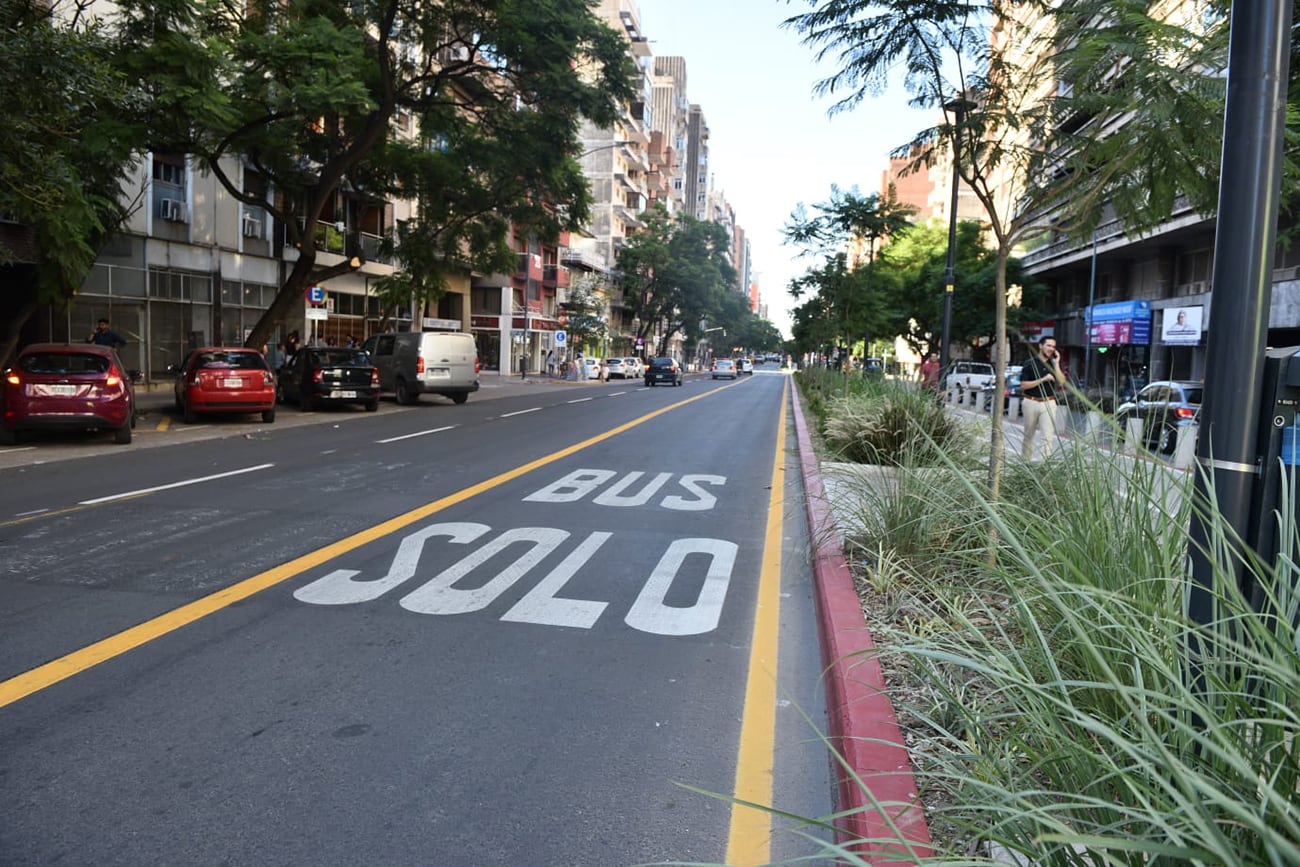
(663,370)
(1160,410)
(333,374)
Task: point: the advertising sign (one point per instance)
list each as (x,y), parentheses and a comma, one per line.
(1123,323)
(1182,325)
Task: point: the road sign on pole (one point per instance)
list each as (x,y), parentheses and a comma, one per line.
(561,337)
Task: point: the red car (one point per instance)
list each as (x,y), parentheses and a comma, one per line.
(61,386)
(225,379)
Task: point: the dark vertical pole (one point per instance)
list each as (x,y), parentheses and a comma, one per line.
(1087,320)
(949,275)
(1249,188)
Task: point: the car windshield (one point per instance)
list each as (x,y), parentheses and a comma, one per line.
(63,363)
(342,356)
(662,362)
(722,362)
(224,360)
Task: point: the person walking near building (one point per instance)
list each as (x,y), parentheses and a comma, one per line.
(930,373)
(105,336)
(550,363)
(1039,380)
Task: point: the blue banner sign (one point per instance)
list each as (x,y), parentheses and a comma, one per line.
(1118,311)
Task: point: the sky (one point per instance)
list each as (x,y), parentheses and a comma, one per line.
(772,143)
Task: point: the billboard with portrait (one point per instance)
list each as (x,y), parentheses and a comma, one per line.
(1182,326)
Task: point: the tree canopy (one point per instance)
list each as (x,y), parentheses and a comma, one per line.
(471,110)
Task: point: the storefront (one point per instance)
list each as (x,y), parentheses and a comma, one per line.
(1119,339)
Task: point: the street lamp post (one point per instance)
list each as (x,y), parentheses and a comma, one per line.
(958,107)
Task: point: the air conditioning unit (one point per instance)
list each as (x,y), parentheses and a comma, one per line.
(172,210)
(252,226)
(457,53)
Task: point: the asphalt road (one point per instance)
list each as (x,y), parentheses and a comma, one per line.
(519,631)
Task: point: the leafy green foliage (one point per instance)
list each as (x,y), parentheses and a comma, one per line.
(677,277)
(470,110)
(889,423)
(66,147)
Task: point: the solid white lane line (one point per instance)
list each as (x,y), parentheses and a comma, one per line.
(183,484)
(579,400)
(33,512)
(18,449)
(520,412)
(416,434)
(617,393)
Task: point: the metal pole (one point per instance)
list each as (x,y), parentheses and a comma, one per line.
(958,107)
(1087,320)
(1249,188)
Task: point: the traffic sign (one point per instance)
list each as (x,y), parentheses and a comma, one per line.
(561,337)
(316,294)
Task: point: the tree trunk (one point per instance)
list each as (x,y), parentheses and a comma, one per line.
(296,283)
(1000,346)
(9,340)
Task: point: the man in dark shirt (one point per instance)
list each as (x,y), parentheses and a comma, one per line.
(1039,379)
(105,336)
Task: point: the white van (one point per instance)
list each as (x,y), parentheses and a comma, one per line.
(417,362)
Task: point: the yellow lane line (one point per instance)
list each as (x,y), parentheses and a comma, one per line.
(164,423)
(43,676)
(749,840)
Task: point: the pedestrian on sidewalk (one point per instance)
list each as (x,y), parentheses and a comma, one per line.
(105,336)
(1039,380)
(930,373)
(550,363)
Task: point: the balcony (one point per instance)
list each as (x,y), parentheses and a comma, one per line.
(555,275)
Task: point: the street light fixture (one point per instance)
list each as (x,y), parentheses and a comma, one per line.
(959,105)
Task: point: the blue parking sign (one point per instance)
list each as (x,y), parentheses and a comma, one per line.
(561,337)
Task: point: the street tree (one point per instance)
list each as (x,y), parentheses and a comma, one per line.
(585,313)
(1051,113)
(676,275)
(470,110)
(66,148)
(847,218)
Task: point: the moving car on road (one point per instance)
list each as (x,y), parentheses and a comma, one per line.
(58,386)
(616,368)
(227,379)
(329,374)
(1162,408)
(663,370)
(746,366)
(723,368)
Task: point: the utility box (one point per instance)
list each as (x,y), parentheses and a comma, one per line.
(1278,451)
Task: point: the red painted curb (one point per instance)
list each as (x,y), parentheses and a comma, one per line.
(877,792)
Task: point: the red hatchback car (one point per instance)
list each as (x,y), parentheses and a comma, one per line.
(62,386)
(225,379)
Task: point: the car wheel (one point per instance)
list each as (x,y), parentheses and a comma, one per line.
(460,398)
(268,415)
(279,393)
(649,383)
(176,398)
(372,405)
(122,435)
(8,436)
(188,415)
(1168,440)
(403,393)
(679,382)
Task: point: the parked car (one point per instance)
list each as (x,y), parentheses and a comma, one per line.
(334,374)
(663,370)
(588,368)
(59,386)
(723,368)
(616,368)
(1010,390)
(228,379)
(413,363)
(635,368)
(967,378)
(1163,408)
(746,366)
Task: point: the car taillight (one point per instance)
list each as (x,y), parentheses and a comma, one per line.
(374,376)
(1185,412)
(478,366)
(11,377)
(114,377)
(268,378)
(316,375)
(419,364)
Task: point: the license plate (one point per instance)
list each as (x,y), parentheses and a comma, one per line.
(440,373)
(61,390)
(337,394)
(233,383)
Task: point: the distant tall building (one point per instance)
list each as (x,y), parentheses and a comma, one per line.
(669,116)
(696,167)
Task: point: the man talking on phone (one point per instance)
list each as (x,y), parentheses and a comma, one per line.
(1039,380)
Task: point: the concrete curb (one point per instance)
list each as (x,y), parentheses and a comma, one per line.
(877,800)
